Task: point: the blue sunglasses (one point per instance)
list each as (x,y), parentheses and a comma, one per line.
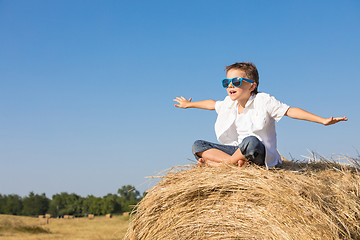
(236,82)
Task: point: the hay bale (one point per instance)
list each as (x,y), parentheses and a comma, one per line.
(108,215)
(47,215)
(125,214)
(91,216)
(44,221)
(317,201)
(41,216)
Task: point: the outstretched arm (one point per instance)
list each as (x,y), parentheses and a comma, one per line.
(298,113)
(184,103)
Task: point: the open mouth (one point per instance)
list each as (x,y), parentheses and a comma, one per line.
(231,92)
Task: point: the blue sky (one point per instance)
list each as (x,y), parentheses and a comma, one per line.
(86,87)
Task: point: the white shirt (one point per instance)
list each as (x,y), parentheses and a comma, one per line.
(243,126)
(258,119)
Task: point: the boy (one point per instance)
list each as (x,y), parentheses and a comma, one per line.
(245,126)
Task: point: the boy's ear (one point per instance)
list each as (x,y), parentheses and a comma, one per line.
(253,86)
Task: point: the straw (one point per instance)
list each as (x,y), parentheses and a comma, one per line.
(314,200)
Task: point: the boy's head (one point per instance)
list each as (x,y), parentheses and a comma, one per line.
(250,72)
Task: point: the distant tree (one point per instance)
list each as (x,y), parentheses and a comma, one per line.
(56,205)
(129,197)
(86,206)
(66,204)
(2,203)
(35,204)
(73,204)
(110,204)
(70,204)
(93,205)
(11,204)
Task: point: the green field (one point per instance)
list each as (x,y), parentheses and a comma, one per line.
(26,228)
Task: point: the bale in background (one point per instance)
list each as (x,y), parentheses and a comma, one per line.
(91,216)
(300,201)
(44,221)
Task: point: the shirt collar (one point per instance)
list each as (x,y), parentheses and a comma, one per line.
(235,104)
(250,100)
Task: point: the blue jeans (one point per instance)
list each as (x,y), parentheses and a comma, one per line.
(251,147)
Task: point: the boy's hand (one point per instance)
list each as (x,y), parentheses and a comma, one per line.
(332,120)
(183,102)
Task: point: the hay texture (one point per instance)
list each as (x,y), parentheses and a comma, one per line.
(299,201)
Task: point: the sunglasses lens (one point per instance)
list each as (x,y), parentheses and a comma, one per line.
(225,83)
(236,82)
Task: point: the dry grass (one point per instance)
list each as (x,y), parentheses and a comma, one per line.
(28,228)
(315,200)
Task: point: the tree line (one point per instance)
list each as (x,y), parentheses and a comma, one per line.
(70,204)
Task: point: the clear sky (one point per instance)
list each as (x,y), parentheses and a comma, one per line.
(86,87)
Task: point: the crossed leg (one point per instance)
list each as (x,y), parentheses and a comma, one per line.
(215,157)
(214,154)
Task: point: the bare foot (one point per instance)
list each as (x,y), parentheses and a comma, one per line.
(201,162)
(242,163)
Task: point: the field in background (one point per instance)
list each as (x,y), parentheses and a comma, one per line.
(29,228)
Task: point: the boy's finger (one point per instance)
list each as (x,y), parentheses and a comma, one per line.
(190,99)
(342,118)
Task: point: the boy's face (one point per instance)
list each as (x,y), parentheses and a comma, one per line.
(242,92)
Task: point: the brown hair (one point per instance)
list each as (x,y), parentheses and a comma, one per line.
(250,70)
